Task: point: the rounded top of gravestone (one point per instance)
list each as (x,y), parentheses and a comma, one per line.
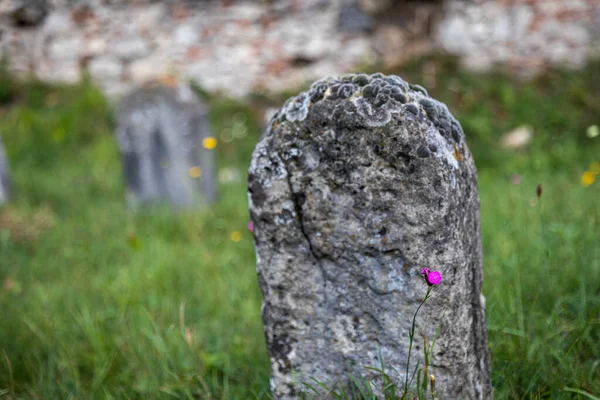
(180,94)
(384,147)
(373,101)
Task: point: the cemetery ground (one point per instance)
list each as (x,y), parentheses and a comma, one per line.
(99,303)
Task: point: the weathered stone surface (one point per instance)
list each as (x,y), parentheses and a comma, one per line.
(105,69)
(354,186)
(30,12)
(68,48)
(4,177)
(145,70)
(131,48)
(161,133)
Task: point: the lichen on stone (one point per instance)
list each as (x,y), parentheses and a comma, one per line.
(376,98)
(296,108)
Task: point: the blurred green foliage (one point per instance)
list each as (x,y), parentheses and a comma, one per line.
(99,303)
(52,123)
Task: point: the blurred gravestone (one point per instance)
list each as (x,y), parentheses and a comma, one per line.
(355,185)
(4,178)
(352,20)
(167,148)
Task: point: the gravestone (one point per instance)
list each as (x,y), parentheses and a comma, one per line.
(352,19)
(4,177)
(356,184)
(167,149)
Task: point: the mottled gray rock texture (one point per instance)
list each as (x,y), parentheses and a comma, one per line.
(355,185)
(161,133)
(4,177)
(30,13)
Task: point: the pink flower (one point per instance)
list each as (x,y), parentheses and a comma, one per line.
(251,226)
(433,278)
(425,271)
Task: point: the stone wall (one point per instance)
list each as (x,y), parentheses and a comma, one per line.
(240,46)
(525,34)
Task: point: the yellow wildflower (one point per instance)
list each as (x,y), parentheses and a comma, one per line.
(588,178)
(236,236)
(209,143)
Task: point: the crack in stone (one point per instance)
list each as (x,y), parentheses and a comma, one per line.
(300,216)
(376,320)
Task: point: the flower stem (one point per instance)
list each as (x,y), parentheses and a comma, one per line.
(411,337)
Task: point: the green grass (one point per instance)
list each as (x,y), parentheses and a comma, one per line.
(98,303)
